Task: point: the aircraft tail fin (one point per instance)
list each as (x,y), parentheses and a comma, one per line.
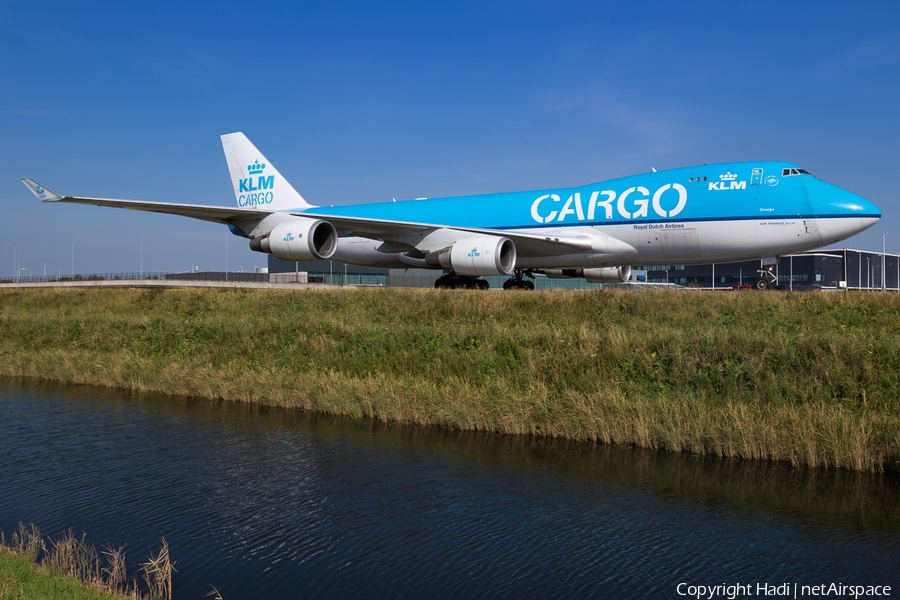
(257,183)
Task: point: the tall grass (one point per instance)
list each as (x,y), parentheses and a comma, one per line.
(807,378)
(73,558)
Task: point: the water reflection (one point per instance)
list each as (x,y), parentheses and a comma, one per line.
(270,502)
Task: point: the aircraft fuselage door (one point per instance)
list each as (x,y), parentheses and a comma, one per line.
(756,176)
(681,243)
(675,244)
(651,245)
(811,228)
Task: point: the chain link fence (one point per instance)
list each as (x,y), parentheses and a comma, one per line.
(397,280)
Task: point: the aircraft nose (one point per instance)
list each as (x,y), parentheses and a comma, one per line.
(842,213)
(872,212)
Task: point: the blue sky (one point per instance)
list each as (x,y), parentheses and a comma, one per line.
(359,102)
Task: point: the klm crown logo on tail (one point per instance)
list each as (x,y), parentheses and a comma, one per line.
(259,184)
(256,181)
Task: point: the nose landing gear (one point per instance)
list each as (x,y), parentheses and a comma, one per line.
(766,281)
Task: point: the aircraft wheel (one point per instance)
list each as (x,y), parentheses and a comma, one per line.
(761,284)
(518,284)
(482,284)
(444,283)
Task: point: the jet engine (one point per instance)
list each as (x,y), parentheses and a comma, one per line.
(608,274)
(477,255)
(300,239)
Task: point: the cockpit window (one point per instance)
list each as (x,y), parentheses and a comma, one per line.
(788,172)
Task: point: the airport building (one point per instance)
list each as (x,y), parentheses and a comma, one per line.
(854,269)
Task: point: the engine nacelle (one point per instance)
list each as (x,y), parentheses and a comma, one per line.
(302,239)
(563,273)
(373,253)
(601,275)
(477,255)
(608,274)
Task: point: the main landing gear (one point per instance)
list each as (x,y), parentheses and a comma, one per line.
(452,281)
(517,281)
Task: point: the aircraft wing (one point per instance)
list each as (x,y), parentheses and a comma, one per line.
(226,216)
(382,229)
(378,229)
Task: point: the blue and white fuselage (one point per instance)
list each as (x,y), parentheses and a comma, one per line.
(706,214)
(713,213)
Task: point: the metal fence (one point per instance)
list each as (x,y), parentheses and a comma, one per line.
(370,279)
(145,276)
(397,280)
(218,276)
(349,278)
(87,277)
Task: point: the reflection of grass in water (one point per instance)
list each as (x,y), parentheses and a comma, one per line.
(70,568)
(836,497)
(807,378)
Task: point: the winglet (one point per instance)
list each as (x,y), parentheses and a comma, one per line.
(43,194)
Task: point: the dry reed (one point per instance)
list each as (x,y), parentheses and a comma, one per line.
(72,557)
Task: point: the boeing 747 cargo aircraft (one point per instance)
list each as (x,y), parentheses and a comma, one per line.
(694,215)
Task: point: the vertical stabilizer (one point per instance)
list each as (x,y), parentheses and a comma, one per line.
(257,184)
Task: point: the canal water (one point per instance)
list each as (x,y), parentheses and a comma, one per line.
(263,502)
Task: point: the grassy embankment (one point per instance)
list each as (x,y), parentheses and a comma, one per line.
(807,378)
(69,568)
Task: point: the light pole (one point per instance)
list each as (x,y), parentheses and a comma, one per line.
(142,257)
(869,273)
